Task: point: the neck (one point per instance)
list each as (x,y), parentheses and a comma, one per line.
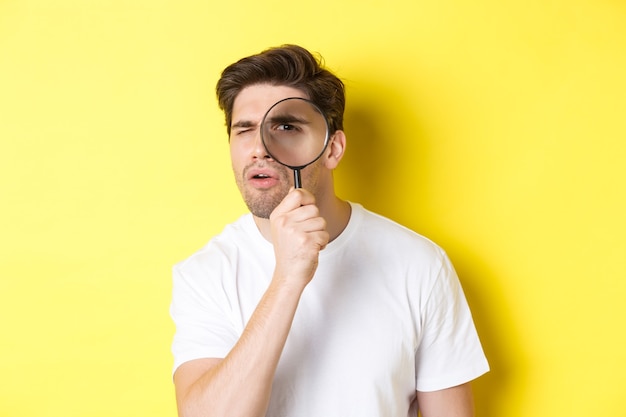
(335,211)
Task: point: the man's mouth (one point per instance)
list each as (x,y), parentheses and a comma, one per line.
(262,178)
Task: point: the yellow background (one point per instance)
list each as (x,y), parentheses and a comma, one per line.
(496,128)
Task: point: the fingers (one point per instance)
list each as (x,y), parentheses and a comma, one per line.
(298,235)
(293,200)
(298,212)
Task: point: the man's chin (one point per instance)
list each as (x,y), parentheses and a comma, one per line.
(262,206)
(261,212)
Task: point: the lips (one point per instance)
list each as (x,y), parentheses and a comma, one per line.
(261,173)
(262,177)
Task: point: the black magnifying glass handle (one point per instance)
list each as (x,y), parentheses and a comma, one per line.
(297,180)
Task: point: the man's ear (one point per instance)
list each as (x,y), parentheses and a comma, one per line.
(336,149)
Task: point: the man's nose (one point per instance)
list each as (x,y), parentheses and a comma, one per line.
(258,149)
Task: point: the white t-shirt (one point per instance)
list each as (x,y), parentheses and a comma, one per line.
(384,316)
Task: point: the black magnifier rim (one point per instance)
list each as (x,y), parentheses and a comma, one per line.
(326,138)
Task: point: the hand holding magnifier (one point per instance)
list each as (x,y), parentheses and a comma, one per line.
(295,133)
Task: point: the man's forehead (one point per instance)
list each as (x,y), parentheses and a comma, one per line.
(253,101)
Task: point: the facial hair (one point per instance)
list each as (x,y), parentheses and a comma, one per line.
(262,203)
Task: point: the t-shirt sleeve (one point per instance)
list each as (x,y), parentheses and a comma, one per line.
(449,352)
(200,314)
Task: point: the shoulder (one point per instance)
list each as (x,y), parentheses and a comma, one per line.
(220,249)
(386,233)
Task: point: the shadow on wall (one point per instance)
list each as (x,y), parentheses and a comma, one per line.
(387,168)
(377,170)
(364,169)
(492,321)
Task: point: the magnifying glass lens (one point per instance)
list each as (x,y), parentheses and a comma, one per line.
(294,132)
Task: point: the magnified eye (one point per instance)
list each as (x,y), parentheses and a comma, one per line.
(287,128)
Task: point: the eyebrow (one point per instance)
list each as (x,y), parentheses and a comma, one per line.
(287,118)
(242,124)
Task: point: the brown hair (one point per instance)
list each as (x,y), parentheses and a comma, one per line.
(288,65)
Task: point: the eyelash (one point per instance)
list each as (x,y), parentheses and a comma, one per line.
(242,131)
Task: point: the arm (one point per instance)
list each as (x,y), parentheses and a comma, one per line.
(240,384)
(451,402)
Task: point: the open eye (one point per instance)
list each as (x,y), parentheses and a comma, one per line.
(286,127)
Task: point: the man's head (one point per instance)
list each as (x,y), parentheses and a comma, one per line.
(246,90)
(287,65)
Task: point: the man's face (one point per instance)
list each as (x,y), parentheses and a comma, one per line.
(263,182)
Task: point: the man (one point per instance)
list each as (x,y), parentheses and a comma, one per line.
(311,305)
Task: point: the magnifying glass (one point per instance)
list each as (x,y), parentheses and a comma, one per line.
(295,134)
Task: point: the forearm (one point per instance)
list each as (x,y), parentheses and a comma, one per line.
(240,384)
(451,402)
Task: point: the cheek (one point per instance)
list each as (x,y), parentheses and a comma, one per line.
(236,156)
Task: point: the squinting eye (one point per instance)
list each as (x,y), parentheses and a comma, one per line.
(243,131)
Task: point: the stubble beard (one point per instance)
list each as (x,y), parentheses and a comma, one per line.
(262,203)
